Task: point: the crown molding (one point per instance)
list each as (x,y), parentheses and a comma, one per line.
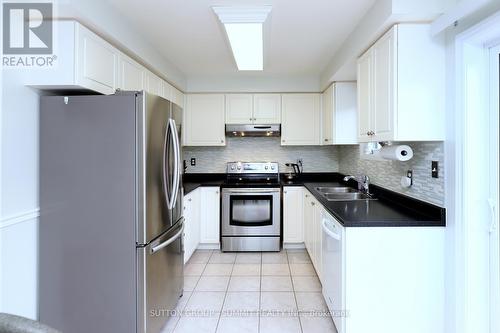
(238,14)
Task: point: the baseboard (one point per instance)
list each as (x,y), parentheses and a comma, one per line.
(292,246)
(202,246)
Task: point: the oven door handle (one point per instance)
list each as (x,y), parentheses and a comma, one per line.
(251,190)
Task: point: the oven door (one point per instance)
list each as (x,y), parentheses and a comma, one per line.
(251,212)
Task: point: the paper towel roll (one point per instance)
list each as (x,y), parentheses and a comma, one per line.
(397,153)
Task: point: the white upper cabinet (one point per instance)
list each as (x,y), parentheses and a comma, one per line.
(300,119)
(154,84)
(167,90)
(267,108)
(239,109)
(177,97)
(204,120)
(339,114)
(401,86)
(96,61)
(253,108)
(364,95)
(86,61)
(131,74)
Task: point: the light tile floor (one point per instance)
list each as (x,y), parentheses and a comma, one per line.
(251,292)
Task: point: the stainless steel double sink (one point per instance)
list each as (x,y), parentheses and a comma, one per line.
(332,193)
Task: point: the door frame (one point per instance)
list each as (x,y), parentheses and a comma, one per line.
(472,62)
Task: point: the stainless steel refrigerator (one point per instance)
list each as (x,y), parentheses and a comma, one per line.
(111,225)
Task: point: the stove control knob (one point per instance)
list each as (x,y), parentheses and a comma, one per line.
(232,167)
(266,167)
(272,167)
(239,167)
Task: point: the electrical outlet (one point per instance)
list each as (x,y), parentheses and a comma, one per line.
(300,161)
(435,169)
(193,161)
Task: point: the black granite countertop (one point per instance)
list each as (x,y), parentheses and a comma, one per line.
(390,209)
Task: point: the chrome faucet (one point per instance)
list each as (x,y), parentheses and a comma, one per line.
(363,182)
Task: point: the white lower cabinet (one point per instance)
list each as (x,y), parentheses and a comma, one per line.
(312,230)
(210,217)
(293,211)
(202,220)
(394,280)
(374,279)
(192,223)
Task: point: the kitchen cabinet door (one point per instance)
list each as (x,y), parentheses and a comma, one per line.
(327,116)
(308,222)
(317,261)
(239,109)
(365,95)
(96,62)
(131,74)
(154,84)
(210,215)
(192,223)
(293,215)
(382,120)
(267,108)
(177,97)
(300,116)
(166,90)
(204,120)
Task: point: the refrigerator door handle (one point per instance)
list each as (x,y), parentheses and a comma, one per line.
(169,241)
(177,170)
(170,199)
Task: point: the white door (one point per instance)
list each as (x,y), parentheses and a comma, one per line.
(204,120)
(384,66)
(239,109)
(293,215)
(494,191)
(300,116)
(131,74)
(267,108)
(327,116)
(210,215)
(365,96)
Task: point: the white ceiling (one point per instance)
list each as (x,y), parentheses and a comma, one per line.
(301,37)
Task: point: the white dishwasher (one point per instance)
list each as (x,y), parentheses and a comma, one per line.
(333,254)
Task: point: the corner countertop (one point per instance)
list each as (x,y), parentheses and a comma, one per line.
(391,209)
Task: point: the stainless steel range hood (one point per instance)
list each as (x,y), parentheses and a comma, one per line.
(253,130)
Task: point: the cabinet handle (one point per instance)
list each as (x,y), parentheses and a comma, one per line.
(368,133)
(251,119)
(326,140)
(282,140)
(189,199)
(312,203)
(216,192)
(221,141)
(307,195)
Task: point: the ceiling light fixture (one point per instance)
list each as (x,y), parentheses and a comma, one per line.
(244,30)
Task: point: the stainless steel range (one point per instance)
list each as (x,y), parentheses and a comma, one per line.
(251,219)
